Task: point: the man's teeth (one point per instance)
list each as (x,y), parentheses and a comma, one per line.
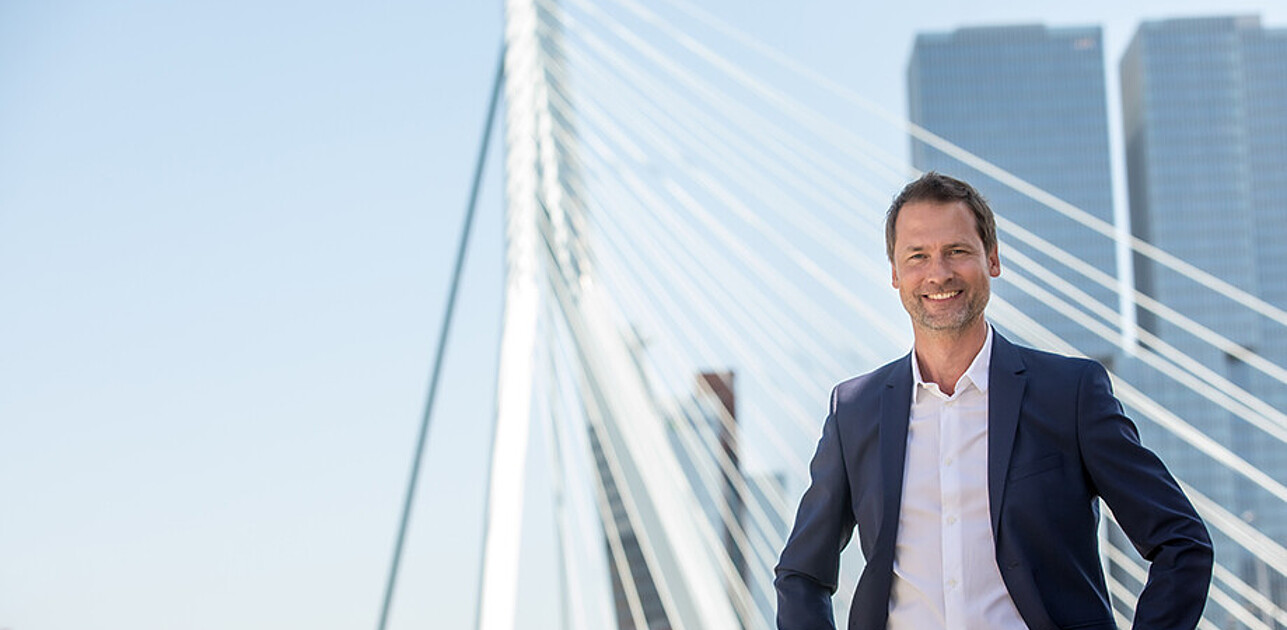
(941,296)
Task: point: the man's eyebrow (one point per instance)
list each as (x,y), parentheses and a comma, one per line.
(918,248)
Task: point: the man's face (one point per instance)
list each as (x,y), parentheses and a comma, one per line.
(940,268)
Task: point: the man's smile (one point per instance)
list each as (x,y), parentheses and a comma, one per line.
(937,297)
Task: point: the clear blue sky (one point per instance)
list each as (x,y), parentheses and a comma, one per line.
(226,230)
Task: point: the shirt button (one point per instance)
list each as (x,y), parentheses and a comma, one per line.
(948,461)
(951,583)
(951,520)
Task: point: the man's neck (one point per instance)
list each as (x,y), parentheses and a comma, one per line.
(943,356)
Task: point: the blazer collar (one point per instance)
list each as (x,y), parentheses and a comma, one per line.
(895,407)
(1007,381)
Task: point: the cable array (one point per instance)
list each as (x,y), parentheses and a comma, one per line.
(707,220)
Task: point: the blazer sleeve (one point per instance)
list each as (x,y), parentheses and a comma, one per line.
(808,571)
(1148,504)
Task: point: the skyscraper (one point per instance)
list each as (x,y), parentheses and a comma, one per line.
(1204,108)
(1031,100)
(1202,102)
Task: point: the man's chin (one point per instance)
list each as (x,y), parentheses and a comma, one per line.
(945,323)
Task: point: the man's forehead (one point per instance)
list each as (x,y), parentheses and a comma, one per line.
(935,207)
(930,215)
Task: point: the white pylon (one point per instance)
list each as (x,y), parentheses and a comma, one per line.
(503,534)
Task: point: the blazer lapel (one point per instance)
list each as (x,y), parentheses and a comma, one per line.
(895,406)
(1006,380)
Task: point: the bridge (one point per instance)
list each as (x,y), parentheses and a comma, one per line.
(695,256)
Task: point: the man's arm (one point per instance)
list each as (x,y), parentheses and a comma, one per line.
(1150,507)
(809,569)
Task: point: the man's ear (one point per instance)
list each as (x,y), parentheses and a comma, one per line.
(994,262)
(893,275)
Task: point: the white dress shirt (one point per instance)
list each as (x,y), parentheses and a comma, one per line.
(945,569)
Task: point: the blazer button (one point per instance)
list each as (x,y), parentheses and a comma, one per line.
(1013,564)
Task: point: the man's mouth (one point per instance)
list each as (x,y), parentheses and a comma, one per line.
(946,295)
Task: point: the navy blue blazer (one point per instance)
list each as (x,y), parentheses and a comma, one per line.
(1057,440)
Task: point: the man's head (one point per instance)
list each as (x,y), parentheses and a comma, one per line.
(942,251)
(939,188)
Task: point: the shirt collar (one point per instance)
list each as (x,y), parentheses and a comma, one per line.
(977,373)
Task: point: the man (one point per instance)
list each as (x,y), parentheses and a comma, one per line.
(972,467)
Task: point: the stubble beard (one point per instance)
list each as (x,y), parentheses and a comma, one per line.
(954,321)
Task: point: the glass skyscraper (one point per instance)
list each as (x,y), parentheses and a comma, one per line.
(1204,106)
(1031,100)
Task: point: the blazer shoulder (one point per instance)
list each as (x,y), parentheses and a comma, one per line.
(1042,362)
(866,386)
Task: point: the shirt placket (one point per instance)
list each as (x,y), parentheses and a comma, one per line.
(950,478)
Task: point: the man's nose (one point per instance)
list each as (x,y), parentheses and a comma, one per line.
(937,270)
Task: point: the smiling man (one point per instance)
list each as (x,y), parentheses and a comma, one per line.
(973,468)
